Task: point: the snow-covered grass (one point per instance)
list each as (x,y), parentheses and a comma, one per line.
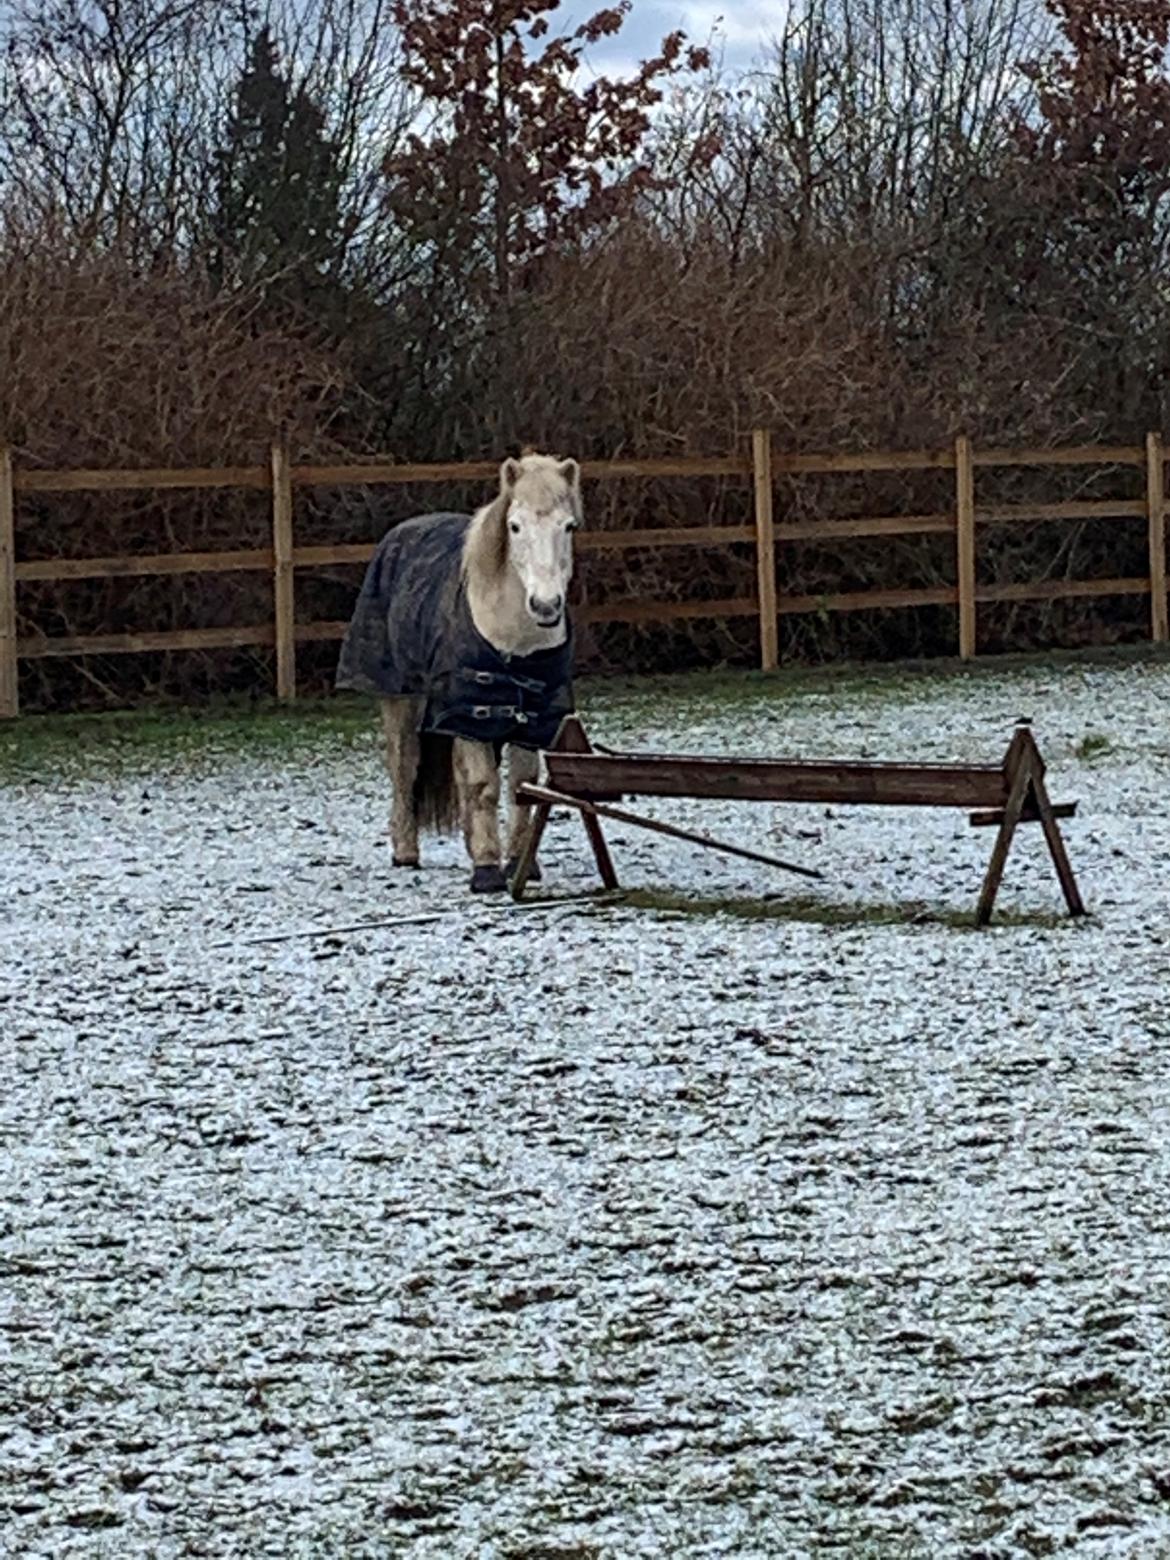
(745,1216)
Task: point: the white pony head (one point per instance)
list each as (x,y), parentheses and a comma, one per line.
(527,533)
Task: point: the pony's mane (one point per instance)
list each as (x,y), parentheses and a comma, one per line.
(485,552)
(538,481)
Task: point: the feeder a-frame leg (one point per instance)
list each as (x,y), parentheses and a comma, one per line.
(524,863)
(1052,834)
(1018,766)
(570,738)
(1026,791)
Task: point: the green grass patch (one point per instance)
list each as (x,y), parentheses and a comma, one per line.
(817,912)
(51,748)
(57,748)
(1093,746)
(853,681)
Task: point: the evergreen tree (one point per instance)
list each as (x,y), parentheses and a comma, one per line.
(278,216)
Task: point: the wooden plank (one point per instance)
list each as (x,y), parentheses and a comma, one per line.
(1070,455)
(965,545)
(595,810)
(1156,516)
(332,553)
(41,649)
(1030,814)
(668,466)
(1061,590)
(674,536)
(874,460)
(859,601)
(129,480)
(1072,509)
(587,541)
(9,670)
(765,549)
(622,612)
(376,473)
(320,633)
(283,583)
(390,472)
(873,525)
(777,780)
(381,473)
(144,564)
(667,611)
(871,600)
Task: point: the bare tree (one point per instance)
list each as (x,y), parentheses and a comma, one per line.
(111,112)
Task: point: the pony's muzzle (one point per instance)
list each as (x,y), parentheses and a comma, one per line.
(547,610)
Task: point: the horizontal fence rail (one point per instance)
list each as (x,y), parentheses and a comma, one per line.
(280,478)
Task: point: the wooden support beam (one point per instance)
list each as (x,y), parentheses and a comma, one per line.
(1048,816)
(1018,770)
(525,862)
(965,545)
(47,647)
(1030,814)
(1156,514)
(138,565)
(132,481)
(765,549)
(573,738)
(284,593)
(9,684)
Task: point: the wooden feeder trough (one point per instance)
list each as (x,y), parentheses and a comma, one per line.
(591,781)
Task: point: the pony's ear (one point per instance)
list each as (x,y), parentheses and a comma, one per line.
(509,475)
(571,471)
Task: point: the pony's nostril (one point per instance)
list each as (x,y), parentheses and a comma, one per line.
(546,608)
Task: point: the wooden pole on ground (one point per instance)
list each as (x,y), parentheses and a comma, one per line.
(9,690)
(283,583)
(547,798)
(965,544)
(1156,511)
(765,549)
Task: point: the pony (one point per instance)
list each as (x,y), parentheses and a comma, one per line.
(462,631)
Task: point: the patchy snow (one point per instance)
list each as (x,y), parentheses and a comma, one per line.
(592,1230)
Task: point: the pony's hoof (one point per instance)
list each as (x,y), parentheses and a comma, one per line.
(534,873)
(407,861)
(488,880)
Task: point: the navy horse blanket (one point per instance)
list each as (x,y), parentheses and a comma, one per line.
(412,636)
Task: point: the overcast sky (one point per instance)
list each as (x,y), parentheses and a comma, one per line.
(744,26)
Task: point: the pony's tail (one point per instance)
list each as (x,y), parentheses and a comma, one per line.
(436,802)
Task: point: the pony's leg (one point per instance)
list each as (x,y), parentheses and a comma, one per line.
(477,778)
(523,767)
(400,725)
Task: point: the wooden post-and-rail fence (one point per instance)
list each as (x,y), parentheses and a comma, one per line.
(762,466)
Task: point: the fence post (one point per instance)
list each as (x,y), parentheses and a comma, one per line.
(283,585)
(9,686)
(1156,511)
(765,549)
(965,544)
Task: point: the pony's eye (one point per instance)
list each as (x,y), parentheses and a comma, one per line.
(570,525)
(514,527)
